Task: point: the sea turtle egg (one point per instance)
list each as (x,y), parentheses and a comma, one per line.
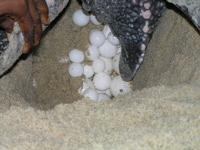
(94,20)
(119,87)
(87,83)
(75,70)
(88,71)
(76,55)
(102,81)
(79,18)
(108,65)
(107,50)
(113,39)
(91,94)
(119,49)
(98,66)
(106,30)
(92,53)
(102,97)
(97,38)
(108,92)
(115,62)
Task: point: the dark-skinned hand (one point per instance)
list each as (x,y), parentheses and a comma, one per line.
(30,14)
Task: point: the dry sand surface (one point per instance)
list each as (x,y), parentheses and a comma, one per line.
(163,112)
(152,119)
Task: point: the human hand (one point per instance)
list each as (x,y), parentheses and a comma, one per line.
(30,14)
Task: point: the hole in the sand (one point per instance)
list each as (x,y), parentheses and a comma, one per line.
(51,81)
(167,61)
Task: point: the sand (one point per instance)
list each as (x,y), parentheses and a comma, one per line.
(152,119)
(162,113)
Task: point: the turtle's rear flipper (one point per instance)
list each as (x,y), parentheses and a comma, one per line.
(134,27)
(132,22)
(131,58)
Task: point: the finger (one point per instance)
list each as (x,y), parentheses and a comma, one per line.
(25,48)
(42,7)
(36,18)
(7,24)
(28,29)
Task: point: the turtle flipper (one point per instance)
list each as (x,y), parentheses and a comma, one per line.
(131,58)
(134,27)
(133,22)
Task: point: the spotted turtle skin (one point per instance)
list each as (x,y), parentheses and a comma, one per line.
(133,22)
(3,41)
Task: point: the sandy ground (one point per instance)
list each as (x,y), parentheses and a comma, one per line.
(159,118)
(49,70)
(162,113)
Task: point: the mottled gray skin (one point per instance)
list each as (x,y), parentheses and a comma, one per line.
(191,8)
(133,22)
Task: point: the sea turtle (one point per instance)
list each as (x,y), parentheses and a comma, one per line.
(131,25)
(133,22)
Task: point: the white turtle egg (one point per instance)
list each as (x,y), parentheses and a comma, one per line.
(97,38)
(106,30)
(107,50)
(119,49)
(108,92)
(92,53)
(103,97)
(115,63)
(88,71)
(100,92)
(112,76)
(76,55)
(87,83)
(119,87)
(113,39)
(98,66)
(91,94)
(108,65)
(75,70)
(79,18)
(102,81)
(94,20)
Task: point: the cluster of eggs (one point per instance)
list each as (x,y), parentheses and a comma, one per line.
(102,80)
